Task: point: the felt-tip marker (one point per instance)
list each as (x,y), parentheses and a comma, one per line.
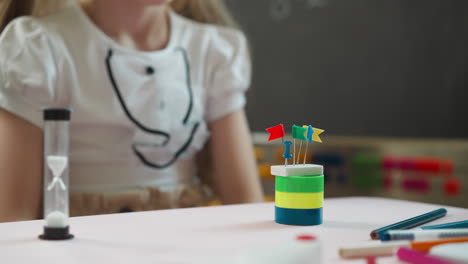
(460,224)
(377,248)
(423,234)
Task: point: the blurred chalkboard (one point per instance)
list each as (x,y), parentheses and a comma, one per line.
(359,67)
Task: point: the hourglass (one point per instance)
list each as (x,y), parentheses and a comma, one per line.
(56,144)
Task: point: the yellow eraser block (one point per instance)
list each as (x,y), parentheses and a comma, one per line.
(299,200)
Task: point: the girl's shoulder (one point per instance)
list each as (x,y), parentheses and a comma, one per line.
(33,32)
(21,31)
(33,60)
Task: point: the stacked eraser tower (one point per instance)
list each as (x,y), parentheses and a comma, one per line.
(299,187)
(298,194)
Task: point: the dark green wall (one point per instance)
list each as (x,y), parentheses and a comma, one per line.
(360,67)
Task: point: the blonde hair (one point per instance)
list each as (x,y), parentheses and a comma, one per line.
(204,11)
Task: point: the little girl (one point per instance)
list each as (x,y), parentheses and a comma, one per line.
(149,82)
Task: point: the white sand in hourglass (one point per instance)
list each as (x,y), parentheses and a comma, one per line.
(57,165)
(56,219)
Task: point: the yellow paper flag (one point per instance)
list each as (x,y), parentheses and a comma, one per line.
(317,132)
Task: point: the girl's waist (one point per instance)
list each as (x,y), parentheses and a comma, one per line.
(143,199)
(89,177)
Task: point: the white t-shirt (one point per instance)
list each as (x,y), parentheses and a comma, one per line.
(133,111)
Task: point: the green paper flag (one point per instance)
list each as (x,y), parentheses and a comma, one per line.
(299,132)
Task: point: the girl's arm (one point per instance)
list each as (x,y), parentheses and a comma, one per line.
(235,175)
(20,169)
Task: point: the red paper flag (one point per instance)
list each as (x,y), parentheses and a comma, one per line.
(276,132)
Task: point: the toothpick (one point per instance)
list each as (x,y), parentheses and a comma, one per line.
(299,155)
(305,152)
(294,156)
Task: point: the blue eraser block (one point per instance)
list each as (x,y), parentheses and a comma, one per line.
(303,217)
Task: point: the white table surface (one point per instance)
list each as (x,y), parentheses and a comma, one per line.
(196,234)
